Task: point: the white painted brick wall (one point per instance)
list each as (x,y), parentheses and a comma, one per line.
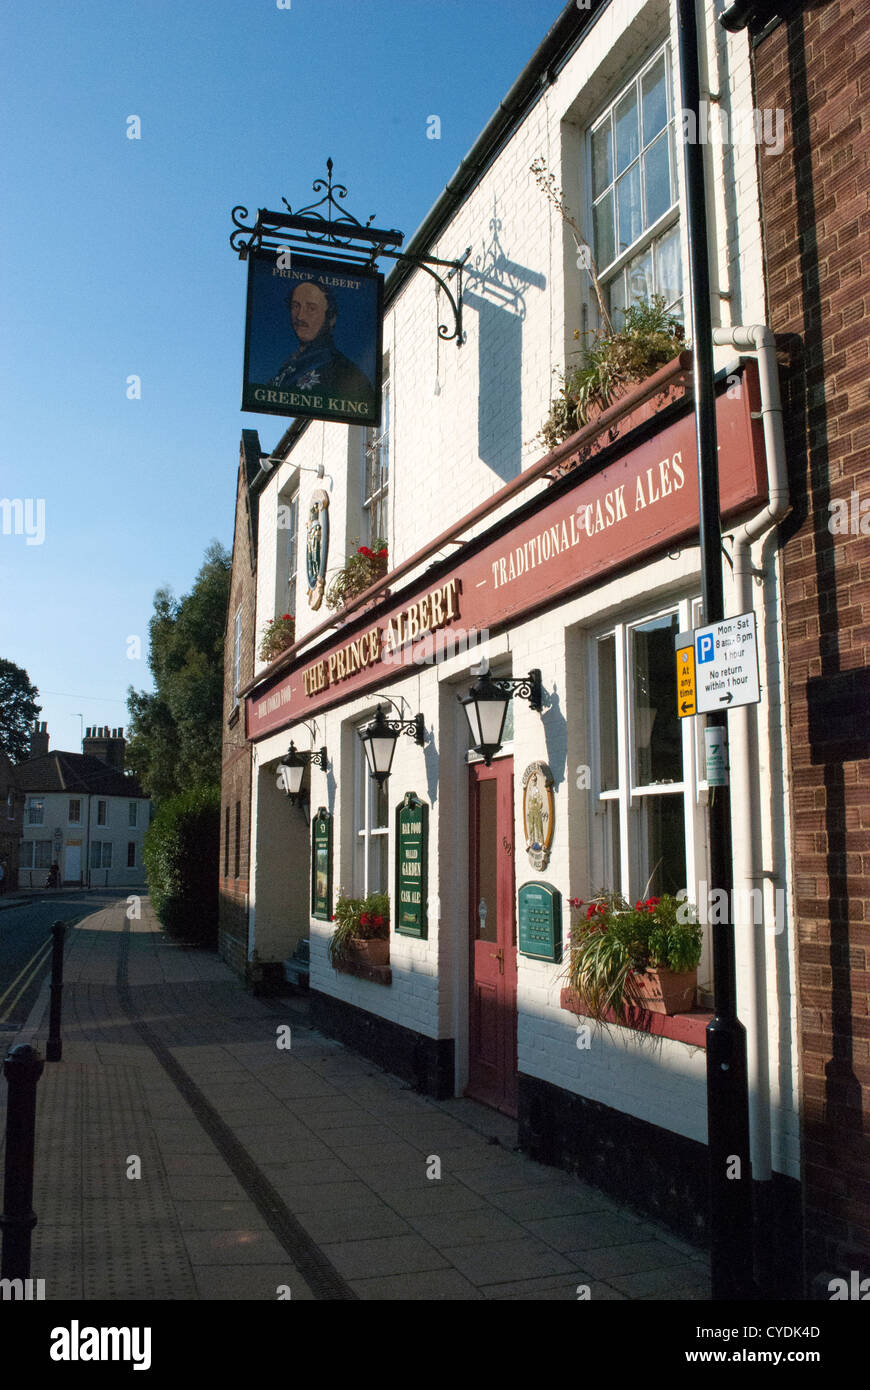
(449,451)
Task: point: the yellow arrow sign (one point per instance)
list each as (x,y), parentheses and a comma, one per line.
(686,703)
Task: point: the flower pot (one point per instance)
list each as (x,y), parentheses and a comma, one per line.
(664,991)
(371,950)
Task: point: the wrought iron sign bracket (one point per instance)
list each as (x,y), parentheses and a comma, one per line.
(335,229)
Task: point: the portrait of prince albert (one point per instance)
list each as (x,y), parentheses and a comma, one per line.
(317,365)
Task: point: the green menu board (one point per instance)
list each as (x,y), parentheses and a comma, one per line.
(412,862)
(321,865)
(540,914)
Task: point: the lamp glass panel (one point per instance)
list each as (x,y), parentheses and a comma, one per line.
(471,715)
(492,715)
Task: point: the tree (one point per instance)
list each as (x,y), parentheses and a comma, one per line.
(181,859)
(175,732)
(18,710)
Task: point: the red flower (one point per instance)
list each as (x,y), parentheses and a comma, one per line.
(365,920)
(285,616)
(590,912)
(377,921)
(602,908)
(638,905)
(382,554)
(364,550)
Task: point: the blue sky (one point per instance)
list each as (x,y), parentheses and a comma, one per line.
(116,261)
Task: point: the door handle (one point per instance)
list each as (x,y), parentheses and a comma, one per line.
(499,956)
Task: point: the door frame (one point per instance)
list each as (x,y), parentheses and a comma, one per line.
(477,774)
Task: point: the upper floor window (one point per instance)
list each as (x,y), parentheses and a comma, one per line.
(132,813)
(75,812)
(633,181)
(376,476)
(36,810)
(10,805)
(102,813)
(288,553)
(237,652)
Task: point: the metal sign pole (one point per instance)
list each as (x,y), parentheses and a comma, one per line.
(727,1095)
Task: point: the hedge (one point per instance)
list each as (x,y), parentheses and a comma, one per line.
(182,847)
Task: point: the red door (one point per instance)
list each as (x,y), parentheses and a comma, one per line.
(492,932)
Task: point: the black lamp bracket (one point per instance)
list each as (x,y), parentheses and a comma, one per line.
(415,728)
(527,687)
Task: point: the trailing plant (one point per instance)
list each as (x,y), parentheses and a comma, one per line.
(651,337)
(280,634)
(611,943)
(363,919)
(360,571)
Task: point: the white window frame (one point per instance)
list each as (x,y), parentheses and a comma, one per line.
(288,556)
(36,810)
(131,845)
(101,850)
(604,872)
(74,801)
(32,846)
(653,233)
(365,832)
(132,814)
(102,813)
(376,460)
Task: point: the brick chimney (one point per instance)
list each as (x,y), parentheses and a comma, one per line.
(108,744)
(38,739)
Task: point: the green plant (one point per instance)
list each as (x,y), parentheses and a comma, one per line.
(280,633)
(650,337)
(363,919)
(612,942)
(181,854)
(362,569)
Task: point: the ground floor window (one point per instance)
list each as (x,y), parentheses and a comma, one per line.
(651,815)
(131,854)
(371,828)
(101,854)
(35,854)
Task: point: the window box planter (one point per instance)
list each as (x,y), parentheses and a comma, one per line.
(662,991)
(689,1027)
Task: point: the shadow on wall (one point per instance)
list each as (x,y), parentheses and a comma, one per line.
(497,292)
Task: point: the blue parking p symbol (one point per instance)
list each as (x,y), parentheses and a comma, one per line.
(705,647)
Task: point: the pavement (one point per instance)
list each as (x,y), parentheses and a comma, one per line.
(185,1151)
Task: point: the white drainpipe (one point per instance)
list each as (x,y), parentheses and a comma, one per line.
(757,341)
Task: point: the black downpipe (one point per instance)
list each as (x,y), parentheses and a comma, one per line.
(731,1254)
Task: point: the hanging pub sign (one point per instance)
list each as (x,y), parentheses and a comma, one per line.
(412,854)
(313,338)
(321,865)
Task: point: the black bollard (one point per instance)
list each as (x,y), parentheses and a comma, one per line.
(22,1069)
(54,1049)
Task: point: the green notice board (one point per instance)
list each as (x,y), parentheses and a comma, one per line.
(321,865)
(412,856)
(540,917)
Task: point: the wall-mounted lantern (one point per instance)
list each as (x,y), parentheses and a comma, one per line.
(486,705)
(291,770)
(379,739)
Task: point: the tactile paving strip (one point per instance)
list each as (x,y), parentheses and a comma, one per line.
(316,1269)
(122,1239)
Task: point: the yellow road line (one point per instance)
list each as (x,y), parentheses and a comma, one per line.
(37,960)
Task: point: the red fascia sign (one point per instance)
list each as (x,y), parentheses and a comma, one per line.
(643,502)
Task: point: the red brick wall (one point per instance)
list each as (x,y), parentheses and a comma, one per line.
(236,753)
(816,67)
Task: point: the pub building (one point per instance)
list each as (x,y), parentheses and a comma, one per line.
(492,728)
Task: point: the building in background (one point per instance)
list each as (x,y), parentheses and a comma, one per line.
(11,815)
(83,813)
(583,564)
